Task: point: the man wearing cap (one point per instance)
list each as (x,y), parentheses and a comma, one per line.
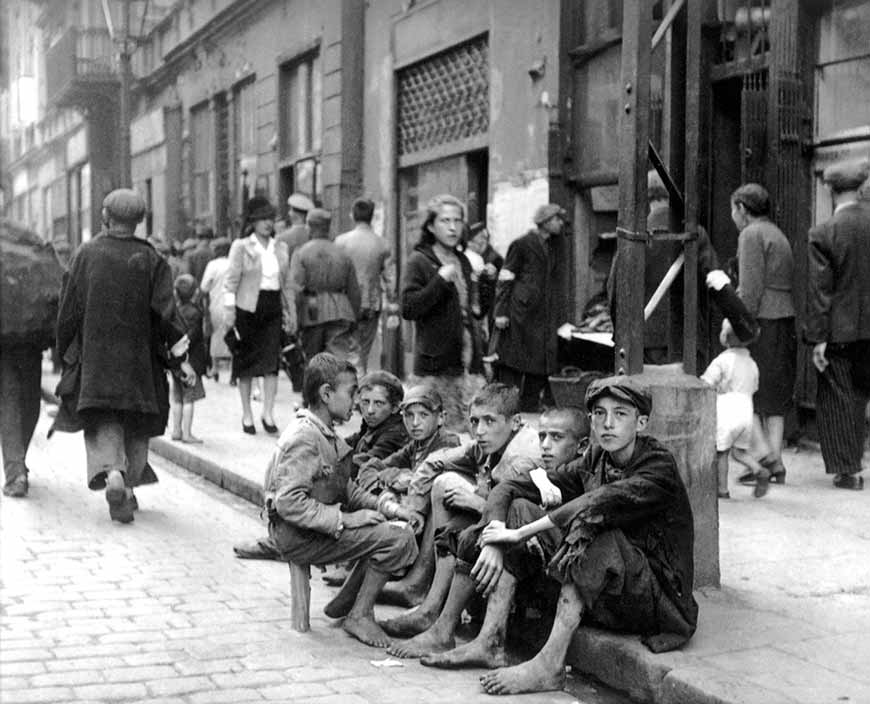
(296,235)
(838,324)
(326,291)
(530,306)
(375,272)
(117,330)
(626,559)
(197,259)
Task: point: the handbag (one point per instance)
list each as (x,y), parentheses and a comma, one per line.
(293,359)
(233,340)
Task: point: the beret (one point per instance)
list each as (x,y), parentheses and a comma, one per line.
(125,205)
(297,201)
(847,175)
(625,388)
(550,210)
(424,394)
(259,208)
(318,217)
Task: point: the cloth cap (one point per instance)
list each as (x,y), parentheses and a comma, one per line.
(297,201)
(550,210)
(389,381)
(847,175)
(125,205)
(259,208)
(625,388)
(425,395)
(318,217)
(185,286)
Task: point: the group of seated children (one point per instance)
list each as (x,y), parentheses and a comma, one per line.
(434,523)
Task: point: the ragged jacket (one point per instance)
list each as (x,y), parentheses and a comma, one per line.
(308,481)
(521,454)
(369,443)
(384,473)
(650,506)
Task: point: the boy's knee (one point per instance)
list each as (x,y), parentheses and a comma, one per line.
(400,544)
(447,480)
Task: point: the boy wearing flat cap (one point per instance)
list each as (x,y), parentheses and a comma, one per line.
(529,308)
(838,324)
(625,562)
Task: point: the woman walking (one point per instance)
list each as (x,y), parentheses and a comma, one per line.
(256,300)
(765,265)
(436,296)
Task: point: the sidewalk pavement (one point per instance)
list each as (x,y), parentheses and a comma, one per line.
(788,624)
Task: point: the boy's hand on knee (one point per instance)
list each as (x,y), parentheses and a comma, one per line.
(458,497)
(361,518)
(488,568)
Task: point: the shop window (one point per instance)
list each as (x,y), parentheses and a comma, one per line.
(301,126)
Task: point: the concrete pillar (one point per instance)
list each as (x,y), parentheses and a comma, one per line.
(684,419)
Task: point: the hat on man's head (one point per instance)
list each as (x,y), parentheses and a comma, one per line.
(426,395)
(318,217)
(550,210)
(847,175)
(622,387)
(125,205)
(297,201)
(259,208)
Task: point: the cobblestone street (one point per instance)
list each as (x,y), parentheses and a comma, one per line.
(161,612)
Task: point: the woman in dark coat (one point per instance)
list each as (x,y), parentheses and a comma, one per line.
(436,296)
(257,302)
(766,268)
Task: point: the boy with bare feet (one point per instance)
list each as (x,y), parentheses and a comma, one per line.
(456,483)
(185,396)
(626,560)
(423,415)
(318,514)
(495,570)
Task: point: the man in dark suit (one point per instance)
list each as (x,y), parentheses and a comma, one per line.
(838,322)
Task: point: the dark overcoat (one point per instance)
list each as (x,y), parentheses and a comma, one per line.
(529,293)
(433,304)
(116,321)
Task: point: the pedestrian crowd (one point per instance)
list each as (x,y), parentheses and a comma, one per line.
(580,504)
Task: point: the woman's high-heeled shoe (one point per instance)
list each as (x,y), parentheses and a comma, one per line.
(268,427)
(249,429)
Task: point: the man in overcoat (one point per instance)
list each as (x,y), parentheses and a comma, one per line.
(117,331)
(530,306)
(838,324)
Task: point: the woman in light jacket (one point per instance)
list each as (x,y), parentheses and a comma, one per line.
(766,267)
(256,298)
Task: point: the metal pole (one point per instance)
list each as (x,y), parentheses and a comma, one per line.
(633,160)
(124,103)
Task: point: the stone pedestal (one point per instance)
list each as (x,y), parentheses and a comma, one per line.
(684,419)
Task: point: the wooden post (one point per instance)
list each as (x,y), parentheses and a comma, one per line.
(631,221)
(300,597)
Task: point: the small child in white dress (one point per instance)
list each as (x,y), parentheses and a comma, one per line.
(734,375)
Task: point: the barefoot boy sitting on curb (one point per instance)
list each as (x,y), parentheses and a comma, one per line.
(318,514)
(626,560)
(423,415)
(455,484)
(495,570)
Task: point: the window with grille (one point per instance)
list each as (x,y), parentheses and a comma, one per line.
(201,158)
(445,98)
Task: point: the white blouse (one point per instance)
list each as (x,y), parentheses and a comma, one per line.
(270,279)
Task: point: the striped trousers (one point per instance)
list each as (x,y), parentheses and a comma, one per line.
(841,397)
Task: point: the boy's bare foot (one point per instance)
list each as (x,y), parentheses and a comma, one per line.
(401,593)
(426,643)
(536,675)
(476,653)
(365,629)
(191,439)
(409,624)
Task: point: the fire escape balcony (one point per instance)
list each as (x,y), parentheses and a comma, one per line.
(81,69)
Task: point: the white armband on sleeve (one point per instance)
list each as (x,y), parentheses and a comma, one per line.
(506,275)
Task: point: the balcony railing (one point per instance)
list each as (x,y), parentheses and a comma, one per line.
(80,61)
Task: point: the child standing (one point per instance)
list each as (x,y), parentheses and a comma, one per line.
(734,375)
(183,397)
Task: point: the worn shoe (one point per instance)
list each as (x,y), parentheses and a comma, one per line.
(120,507)
(261,549)
(134,502)
(762,483)
(17,487)
(777,471)
(849,481)
(747,477)
(269,427)
(249,429)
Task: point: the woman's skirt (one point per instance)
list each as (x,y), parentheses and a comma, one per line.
(775,353)
(259,337)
